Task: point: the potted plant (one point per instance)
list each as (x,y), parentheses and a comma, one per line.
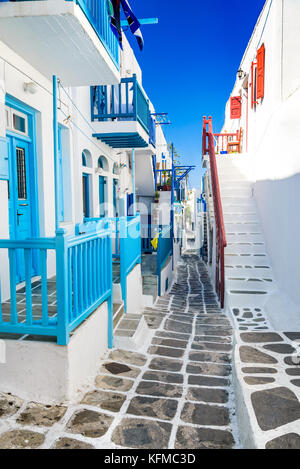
(169,184)
(156,199)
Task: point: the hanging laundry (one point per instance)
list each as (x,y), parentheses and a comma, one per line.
(134,23)
(114,7)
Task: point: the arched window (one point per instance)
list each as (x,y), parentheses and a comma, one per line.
(103,163)
(86,159)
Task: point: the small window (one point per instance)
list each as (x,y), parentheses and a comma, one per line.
(83,159)
(19,123)
(16,121)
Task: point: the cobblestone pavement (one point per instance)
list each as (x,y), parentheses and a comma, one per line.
(267,365)
(176,393)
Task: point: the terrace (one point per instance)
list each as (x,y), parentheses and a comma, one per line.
(74,35)
(121,115)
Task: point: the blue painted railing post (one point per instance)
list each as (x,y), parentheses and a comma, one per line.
(110,328)
(62,287)
(123,263)
(133,184)
(135,109)
(55,150)
(158,260)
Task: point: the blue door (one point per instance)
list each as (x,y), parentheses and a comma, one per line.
(102,190)
(20,209)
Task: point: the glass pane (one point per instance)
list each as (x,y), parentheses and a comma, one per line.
(21,172)
(19,123)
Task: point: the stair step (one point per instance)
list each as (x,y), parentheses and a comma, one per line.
(245,248)
(253,284)
(245,227)
(118,312)
(247,260)
(240,217)
(244,238)
(132,332)
(248,272)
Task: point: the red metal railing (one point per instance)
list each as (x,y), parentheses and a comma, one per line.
(208,148)
(224,140)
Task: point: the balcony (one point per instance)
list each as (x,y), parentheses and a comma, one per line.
(68,38)
(121,115)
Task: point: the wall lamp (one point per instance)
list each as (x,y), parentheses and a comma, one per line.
(241,74)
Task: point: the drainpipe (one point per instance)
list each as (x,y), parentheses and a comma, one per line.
(55,148)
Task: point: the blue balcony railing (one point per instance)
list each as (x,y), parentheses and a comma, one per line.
(126,243)
(83,282)
(152,130)
(123,102)
(97,14)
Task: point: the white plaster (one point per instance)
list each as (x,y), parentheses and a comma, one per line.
(134,290)
(166,273)
(49,373)
(44,27)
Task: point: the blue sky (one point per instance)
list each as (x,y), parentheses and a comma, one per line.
(190,62)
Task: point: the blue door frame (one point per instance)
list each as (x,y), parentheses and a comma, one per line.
(23,186)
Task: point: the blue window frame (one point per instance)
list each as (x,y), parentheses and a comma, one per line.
(86,195)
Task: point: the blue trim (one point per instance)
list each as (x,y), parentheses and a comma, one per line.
(4,174)
(31,139)
(122,140)
(86,179)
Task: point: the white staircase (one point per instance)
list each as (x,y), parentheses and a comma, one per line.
(248,273)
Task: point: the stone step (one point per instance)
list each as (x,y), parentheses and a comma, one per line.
(252,260)
(132,332)
(236,191)
(249,272)
(245,248)
(252,228)
(150,289)
(244,238)
(240,217)
(231,200)
(251,284)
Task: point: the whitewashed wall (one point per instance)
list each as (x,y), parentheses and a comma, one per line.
(274,137)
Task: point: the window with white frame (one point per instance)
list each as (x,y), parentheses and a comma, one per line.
(16,121)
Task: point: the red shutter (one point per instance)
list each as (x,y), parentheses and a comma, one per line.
(260,73)
(235,107)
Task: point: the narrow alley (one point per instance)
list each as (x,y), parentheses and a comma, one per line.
(174,393)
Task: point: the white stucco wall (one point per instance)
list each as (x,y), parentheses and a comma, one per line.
(49,373)
(166,274)
(274,137)
(134,290)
